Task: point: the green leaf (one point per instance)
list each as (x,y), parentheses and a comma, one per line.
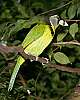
(63,14)
(61,58)
(61,36)
(38,5)
(20,24)
(73,29)
(72,11)
(72,59)
(78,12)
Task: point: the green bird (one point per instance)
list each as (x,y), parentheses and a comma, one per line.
(34,43)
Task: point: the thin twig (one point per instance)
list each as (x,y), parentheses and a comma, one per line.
(76,21)
(55,9)
(67,43)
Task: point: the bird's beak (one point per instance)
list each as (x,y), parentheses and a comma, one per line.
(63,23)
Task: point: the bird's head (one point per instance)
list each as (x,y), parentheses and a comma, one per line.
(55,22)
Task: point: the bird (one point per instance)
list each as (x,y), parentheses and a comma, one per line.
(38,38)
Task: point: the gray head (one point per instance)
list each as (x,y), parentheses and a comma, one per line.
(55,21)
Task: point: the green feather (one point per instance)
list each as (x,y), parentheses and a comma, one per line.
(34,43)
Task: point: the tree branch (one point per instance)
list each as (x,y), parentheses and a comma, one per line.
(20,50)
(67,43)
(72,21)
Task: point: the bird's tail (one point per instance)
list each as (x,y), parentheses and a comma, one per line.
(20,61)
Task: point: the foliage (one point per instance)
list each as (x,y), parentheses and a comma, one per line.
(61,58)
(16,20)
(73,29)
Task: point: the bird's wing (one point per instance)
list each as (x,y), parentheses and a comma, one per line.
(36,32)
